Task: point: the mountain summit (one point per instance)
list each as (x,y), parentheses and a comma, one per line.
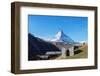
(61,37)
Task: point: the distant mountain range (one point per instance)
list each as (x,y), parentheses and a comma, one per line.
(61,37)
(38,47)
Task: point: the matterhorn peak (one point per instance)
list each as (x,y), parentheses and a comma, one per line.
(59,34)
(61,37)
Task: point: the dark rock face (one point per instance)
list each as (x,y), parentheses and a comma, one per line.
(37,46)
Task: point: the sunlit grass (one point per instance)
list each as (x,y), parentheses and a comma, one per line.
(83,53)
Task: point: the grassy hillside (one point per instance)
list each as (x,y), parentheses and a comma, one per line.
(82,52)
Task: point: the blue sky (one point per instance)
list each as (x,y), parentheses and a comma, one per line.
(47,26)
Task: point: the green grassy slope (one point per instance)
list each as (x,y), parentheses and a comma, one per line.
(82,52)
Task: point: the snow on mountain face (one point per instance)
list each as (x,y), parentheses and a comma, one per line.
(61,37)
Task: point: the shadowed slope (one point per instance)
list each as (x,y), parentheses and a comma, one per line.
(37,46)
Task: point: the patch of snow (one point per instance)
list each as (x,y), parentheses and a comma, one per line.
(61,37)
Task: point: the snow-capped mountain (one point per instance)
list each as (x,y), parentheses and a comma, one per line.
(61,37)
